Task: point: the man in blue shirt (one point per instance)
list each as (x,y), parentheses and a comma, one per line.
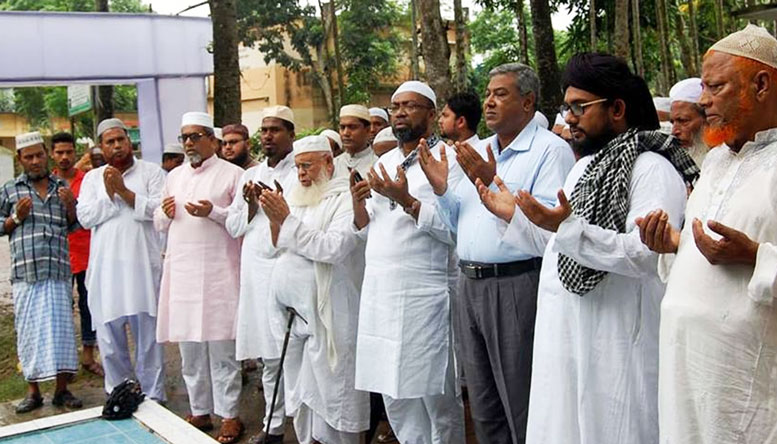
(496,303)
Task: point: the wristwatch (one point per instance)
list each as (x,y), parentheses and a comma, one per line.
(15,218)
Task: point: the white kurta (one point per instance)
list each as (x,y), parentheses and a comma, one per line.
(718,368)
(125,263)
(361,161)
(328,391)
(595,363)
(404,319)
(254,336)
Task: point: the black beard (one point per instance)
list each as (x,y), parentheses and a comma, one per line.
(240,159)
(405,135)
(37,177)
(592,144)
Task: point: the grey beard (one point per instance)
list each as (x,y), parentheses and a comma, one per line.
(405,135)
(36,177)
(194,158)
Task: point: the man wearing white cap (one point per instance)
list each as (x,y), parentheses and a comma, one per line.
(404,346)
(355,134)
(687,117)
(117,202)
(379,119)
(663,108)
(718,334)
(246,219)
(172,156)
(316,276)
(384,142)
(335,142)
(38,211)
(200,279)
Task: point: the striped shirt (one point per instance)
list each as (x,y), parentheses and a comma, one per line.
(39,248)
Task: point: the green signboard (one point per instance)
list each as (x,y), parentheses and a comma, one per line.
(79,99)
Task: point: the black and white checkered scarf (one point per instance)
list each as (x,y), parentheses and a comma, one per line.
(601,196)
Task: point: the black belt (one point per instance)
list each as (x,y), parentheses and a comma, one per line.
(478,270)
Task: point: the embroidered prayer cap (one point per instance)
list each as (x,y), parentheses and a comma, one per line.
(662,104)
(312,144)
(236,128)
(197,118)
(358,111)
(541,119)
(279,112)
(28,139)
(333,136)
(753,42)
(385,135)
(418,88)
(686,90)
(173,148)
(111,123)
(217,133)
(379,112)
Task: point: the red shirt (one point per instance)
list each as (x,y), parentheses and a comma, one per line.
(79,239)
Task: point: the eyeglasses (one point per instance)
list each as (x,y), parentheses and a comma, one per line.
(304,166)
(409,107)
(577,109)
(233,142)
(195,137)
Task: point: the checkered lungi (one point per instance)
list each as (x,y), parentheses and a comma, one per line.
(45,334)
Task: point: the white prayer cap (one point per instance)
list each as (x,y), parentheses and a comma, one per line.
(686,90)
(385,135)
(418,88)
(559,120)
(173,148)
(312,144)
(279,112)
(753,42)
(197,118)
(662,104)
(111,123)
(218,134)
(541,119)
(333,136)
(28,139)
(358,111)
(379,112)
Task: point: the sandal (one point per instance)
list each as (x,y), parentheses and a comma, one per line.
(231,430)
(94,368)
(29,403)
(201,422)
(66,399)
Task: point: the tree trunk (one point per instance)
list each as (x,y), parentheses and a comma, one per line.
(719,18)
(104,103)
(639,61)
(694,36)
(663,42)
(436,52)
(322,76)
(545,54)
(415,71)
(461,46)
(685,45)
(621,45)
(523,33)
(325,58)
(227,107)
(592,23)
(338,63)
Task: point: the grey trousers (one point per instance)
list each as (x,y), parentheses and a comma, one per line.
(494,322)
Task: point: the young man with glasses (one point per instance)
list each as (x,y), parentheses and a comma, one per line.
(594,375)
(200,279)
(497,298)
(236,146)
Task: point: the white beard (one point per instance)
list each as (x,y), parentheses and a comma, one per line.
(302,196)
(698,150)
(194,158)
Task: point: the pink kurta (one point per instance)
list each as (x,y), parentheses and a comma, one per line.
(200,279)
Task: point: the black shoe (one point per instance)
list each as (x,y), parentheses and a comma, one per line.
(263,438)
(30,403)
(66,399)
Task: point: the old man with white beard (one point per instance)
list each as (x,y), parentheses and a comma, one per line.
(315,275)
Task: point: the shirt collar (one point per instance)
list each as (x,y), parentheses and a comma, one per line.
(522,141)
(361,154)
(762,138)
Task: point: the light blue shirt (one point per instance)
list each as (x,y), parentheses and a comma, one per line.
(536,160)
